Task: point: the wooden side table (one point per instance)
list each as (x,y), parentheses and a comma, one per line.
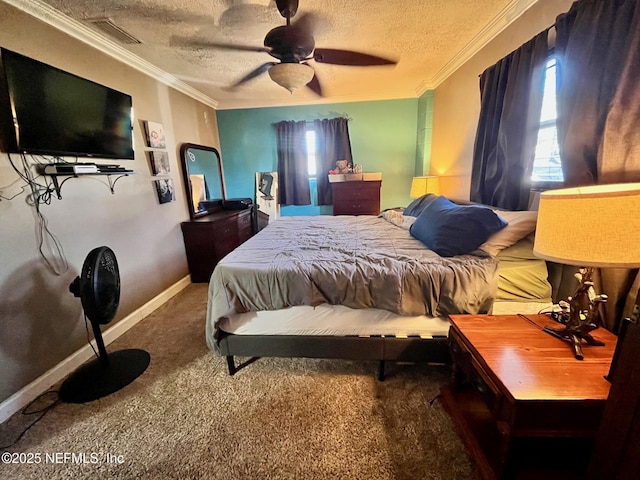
(516,391)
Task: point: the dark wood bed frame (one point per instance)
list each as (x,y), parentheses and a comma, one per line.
(375,348)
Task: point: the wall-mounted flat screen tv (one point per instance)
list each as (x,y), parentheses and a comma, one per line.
(47,111)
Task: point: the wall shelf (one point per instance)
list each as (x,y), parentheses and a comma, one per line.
(112,178)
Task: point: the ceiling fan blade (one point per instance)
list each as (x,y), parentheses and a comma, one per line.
(314,85)
(253,74)
(199,43)
(347,57)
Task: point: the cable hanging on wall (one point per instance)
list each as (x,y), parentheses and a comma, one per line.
(49,246)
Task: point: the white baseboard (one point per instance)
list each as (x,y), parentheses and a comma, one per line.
(21,398)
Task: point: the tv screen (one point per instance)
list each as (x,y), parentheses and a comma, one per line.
(48,111)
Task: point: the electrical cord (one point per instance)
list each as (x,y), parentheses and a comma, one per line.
(86,326)
(41,193)
(42,412)
(521,315)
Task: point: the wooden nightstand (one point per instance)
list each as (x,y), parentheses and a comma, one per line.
(520,400)
(356,198)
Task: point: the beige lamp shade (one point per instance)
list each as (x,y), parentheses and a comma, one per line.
(291,75)
(422,185)
(594,226)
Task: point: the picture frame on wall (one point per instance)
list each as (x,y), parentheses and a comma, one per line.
(164,189)
(159,162)
(155,135)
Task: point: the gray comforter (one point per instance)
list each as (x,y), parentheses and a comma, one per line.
(359,262)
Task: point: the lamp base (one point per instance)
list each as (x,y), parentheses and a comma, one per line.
(581,315)
(574,337)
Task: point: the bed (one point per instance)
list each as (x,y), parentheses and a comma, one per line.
(358,287)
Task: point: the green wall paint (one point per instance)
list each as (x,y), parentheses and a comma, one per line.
(383,139)
(425,126)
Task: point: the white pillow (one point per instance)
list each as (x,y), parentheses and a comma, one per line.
(520,225)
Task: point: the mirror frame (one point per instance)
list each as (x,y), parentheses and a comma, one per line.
(187,182)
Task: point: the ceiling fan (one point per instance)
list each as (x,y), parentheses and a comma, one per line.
(293,45)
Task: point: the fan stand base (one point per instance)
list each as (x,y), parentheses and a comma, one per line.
(94,380)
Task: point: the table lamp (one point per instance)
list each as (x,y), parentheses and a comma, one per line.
(593,226)
(426,184)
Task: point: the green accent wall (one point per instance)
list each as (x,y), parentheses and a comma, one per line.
(383,139)
(425,128)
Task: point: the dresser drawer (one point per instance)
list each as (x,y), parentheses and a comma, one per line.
(224,246)
(356,198)
(244,221)
(244,234)
(245,227)
(356,207)
(224,230)
(350,194)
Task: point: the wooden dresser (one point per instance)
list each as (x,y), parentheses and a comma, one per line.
(208,239)
(356,198)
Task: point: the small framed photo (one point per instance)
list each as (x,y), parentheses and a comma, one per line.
(155,135)
(159,162)
(164,189)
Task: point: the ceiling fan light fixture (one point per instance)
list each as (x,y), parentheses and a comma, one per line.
(291,75)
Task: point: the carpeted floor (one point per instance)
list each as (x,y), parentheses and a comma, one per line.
(186,418)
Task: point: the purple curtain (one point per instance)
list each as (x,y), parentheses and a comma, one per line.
(293,173)
(332,144)
(511,100)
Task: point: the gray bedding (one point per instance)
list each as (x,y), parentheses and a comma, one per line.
(359,262)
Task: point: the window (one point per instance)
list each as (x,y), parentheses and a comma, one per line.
(311,152)
(546,163)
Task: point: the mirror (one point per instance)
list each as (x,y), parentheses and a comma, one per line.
(203,178)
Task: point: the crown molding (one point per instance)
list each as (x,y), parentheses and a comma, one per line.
(81,32)
(423,87)
(509,14)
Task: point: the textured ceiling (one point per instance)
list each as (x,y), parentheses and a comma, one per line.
(426,37)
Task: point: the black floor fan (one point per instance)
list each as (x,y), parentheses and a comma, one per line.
(98,287)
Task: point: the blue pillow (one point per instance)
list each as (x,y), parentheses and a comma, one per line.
(449,229)
(419,204)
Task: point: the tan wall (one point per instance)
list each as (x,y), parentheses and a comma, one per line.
(41,323)
(457,99)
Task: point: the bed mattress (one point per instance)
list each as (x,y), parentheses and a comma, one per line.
(338,320)
(334,320)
